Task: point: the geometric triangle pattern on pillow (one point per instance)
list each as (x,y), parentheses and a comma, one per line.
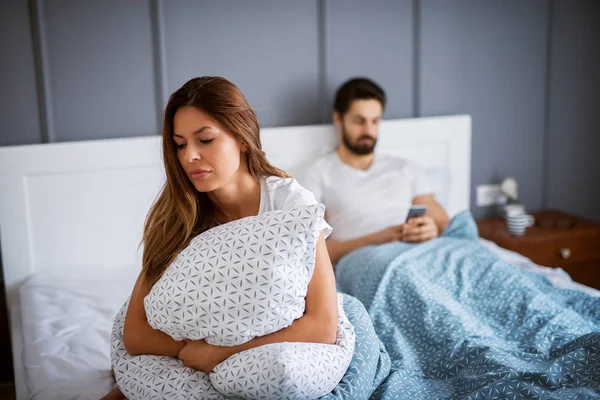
(148,377)
(275,371)
(239,280)
(288,370)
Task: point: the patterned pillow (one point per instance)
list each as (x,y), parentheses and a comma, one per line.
(288,370)
(239,280)
(274,371)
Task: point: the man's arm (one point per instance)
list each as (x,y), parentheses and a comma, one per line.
(411,232)
(338,249)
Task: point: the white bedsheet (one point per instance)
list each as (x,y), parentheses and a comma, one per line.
(557,276)
(67,318)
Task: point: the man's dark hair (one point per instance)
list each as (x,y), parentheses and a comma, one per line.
(357,89)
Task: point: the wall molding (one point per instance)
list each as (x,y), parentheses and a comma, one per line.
(547,105)
(322,46)
(416,67)
(41,59)
(161,90)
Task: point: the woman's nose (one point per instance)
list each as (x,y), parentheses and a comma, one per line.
(193,154)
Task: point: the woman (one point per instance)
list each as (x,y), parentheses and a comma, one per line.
(216,173)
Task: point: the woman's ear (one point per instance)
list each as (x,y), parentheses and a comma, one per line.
(244,147)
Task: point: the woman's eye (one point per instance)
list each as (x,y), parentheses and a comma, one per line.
(206,141)
(180,146)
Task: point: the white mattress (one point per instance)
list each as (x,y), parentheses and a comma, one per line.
(67,319)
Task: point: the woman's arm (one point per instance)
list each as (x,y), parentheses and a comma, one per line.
(317,325)
(138,336)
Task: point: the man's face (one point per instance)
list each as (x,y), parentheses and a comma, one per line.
(359,127)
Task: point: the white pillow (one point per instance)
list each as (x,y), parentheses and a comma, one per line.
(149,377)
(239,280)
(288,370)
(231,283)
(274,371)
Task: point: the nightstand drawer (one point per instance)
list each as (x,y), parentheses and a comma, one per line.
(562,252)
(557,239)
(587,273)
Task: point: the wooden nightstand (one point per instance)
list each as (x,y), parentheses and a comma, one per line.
(557,239)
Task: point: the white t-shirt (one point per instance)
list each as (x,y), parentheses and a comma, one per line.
(363,202)
(286,193)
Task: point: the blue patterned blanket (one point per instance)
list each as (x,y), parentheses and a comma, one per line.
(458,322)
(370,365)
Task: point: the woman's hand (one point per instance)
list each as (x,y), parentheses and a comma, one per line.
(202,356)
(114,394)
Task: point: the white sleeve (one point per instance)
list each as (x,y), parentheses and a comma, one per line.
(298,196)
(420,181)
(312,181)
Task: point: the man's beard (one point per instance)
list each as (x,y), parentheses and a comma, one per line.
(358,148)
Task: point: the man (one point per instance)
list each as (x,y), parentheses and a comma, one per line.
(368,194)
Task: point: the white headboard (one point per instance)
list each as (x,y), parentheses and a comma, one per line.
(83,204)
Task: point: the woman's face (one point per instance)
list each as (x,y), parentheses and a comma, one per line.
(209,155)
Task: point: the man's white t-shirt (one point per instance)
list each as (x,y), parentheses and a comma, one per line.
(286,193)
(362,202)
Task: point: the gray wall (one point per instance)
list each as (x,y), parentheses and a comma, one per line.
(374,39)
(268,48)
(525,70)
(572,178)
(99,73)
(488,59)
(19,116)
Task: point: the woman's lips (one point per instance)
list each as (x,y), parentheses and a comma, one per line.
(199,173)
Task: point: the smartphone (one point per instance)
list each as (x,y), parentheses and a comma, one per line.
(416,211)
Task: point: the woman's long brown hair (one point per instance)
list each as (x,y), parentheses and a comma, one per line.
(181,212)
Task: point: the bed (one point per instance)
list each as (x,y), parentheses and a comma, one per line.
(71,218)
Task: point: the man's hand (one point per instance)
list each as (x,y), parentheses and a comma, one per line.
(202,356)
(420,229)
